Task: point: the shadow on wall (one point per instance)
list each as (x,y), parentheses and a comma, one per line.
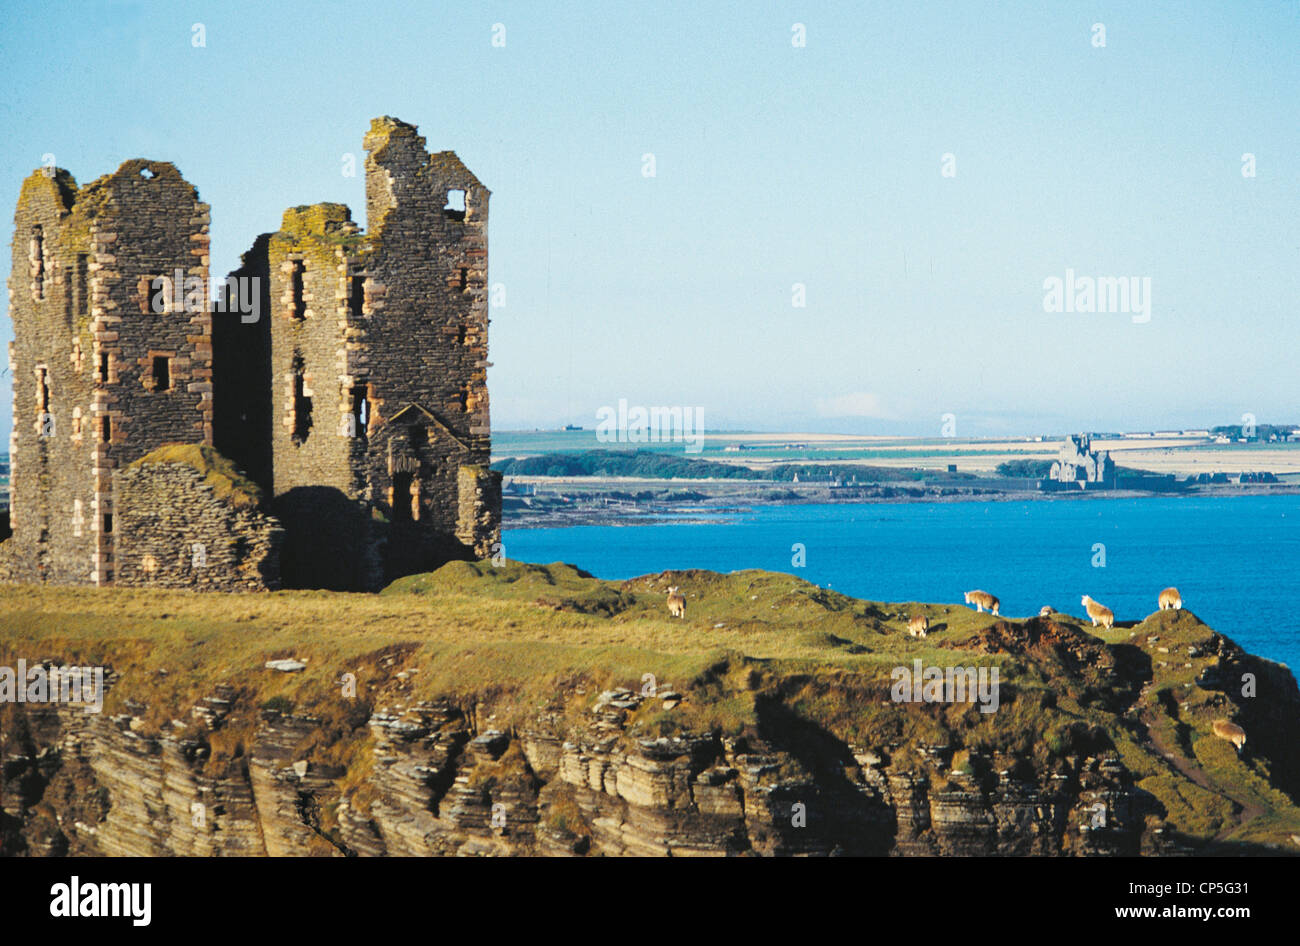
(335,543)
(329,541)
(411,550)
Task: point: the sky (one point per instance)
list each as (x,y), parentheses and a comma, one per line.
(921,170)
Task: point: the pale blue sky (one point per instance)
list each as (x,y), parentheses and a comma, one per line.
(775,165)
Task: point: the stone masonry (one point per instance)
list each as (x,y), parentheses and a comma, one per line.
(357,400)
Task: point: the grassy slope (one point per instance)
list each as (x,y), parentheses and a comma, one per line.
(513,641)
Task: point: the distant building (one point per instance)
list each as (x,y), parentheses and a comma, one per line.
(513,488)
(1079,463)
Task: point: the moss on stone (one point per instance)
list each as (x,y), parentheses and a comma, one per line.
(218,472)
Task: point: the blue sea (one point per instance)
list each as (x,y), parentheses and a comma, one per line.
(1234,559)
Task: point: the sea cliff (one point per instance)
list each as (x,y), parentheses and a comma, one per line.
(536,710)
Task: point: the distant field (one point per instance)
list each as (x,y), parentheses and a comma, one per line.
(1180,456)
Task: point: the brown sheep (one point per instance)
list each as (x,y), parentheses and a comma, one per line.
(1231,732)
(1099,613)
(982,600)
(676,603)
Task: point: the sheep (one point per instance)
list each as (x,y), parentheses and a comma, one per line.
(1231,732)
(1099,613)
(1170,599)
(982,600)
(919,625)
(676,603)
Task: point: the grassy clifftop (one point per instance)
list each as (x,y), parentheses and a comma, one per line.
(756,650)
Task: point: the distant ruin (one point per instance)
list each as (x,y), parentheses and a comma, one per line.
(1079,463)
(344,426)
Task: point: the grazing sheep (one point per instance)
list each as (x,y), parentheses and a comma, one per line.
(1231,732)
(1170,599)
(1046,610)
(1099,613)
(982,600)
(676,603)
(919,626)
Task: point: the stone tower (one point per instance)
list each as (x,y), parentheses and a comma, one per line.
(377,350)
(107,365)
(156,430)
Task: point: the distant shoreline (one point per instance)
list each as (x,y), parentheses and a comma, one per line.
(564,502)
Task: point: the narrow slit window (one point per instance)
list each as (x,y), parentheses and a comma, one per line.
(105,429)
(360,411)
(301,404)
(403,503)
(357,301)
(108,523)
(464,279)
(103,367)
(36,262)
(162,373)
(43,390)
(298,305)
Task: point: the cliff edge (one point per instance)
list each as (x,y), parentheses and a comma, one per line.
(533,709)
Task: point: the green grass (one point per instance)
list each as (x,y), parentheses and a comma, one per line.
(758,653)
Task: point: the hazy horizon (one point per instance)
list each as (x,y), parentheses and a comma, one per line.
(776,166)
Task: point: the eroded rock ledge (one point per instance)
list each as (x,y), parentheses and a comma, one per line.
(435,784)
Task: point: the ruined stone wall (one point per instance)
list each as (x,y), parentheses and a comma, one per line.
(89,353)
(379,371)
(357,399)
(317,437)
(427,347)
(49,304)
(479,525)
(174,531)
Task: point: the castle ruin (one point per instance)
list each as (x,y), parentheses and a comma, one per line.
(339,438)
(1078,463)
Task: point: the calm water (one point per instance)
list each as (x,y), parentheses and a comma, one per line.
(1234,559)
